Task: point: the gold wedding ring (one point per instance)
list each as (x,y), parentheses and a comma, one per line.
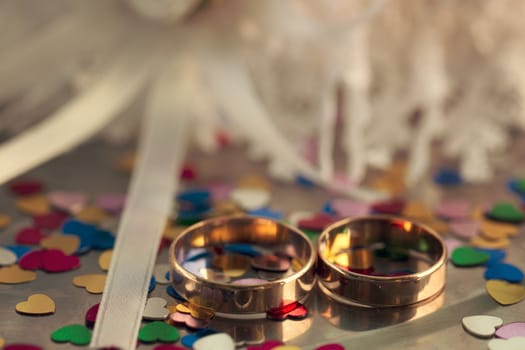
(209,265)
(380,261)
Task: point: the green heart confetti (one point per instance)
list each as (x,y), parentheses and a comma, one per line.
(467,256)
(505,211)
(158,331)
(76,334)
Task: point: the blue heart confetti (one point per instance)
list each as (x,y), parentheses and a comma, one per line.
(19,250)
(505,272)
(496,255)
(189,339)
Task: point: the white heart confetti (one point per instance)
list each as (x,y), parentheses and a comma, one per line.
(217,341)
(482,325)
(155,309)
(516,343)
(7,257)
(250,198)
(160,273)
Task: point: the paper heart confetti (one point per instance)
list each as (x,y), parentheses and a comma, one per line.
(348,208)
(68,201)
(288,309)
(254,181)
(188,320)
(104,260)
(68,244)
(464,228)
(36,304)
(56,261)
(168,347)
(482,325)
(250,198)
(417,210)
(161,273)
(155,309)
(496,230)
(111,202)
(158,331)
(75,334)
(94,283)
(189,339)
(7,257)
(511,330)
(5,220)
(219,341)
(504,292)
(92,215)
(14,274)
(33,205)
(50,221)
(506,212)
(453,210)
(394,207)
(482,242)
(29,235)
(332,346)
(317,222)
(505,272)
(517,343)
(468,256)
(91,315)
(267,345)
(25,187)
(21,346)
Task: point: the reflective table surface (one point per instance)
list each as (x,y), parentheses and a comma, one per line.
(433,325)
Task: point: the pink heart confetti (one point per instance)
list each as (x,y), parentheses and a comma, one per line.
(70,202)
(453,210)
(111,202)
(22,347)
(452,244)
(29,235)
(511,330)
(464,228)
(393,207)
(188,320)
(219,191)
(347,208)
(332,346)
(51,221)
(317,222)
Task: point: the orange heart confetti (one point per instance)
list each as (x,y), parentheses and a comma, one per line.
(481,242)
(36,304)
(33,205)
(5,220)
(68,244)
(14,274)
(504,292)
(417,210)
(171,232)
(94,283)
(254,181)
(93,215)
(2,342)
(104,260)
(126,162)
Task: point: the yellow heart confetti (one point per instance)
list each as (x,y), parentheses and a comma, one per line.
(94,283)
(36,304)
(33,205)
(200,308)
(126,162)
(504,292)
(68,244)
(182,308)
(437,225)
(93,215)
(14,274)
(226,207)
(497,230)
(105,259)
(5,220)
(254,181)
(287,347)
(171,232)
(481,242)
(172,309)
(417,210)
(2,342)
(232,265)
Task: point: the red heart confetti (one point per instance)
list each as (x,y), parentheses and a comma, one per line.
(393,207)
(29,235)
(332,346)
(317,222)
(288,309)
(22,347)
(25,187)
(91,315)
(188,172)
(33,260)
(56,261)
(168,347)
(51,221)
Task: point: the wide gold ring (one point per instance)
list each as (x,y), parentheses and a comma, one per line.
(381,261)
(214,239)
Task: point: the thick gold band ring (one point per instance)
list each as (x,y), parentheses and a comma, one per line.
(381,261)
(225,244)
